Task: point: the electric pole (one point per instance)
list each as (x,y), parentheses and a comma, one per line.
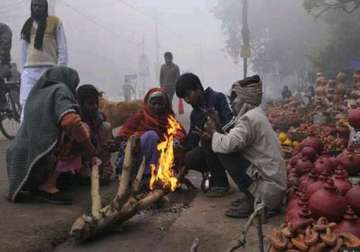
(157,48)
(245,49)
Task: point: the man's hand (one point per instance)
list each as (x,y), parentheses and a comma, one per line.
(204,135)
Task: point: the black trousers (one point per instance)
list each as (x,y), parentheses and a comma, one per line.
(237,165)
(204,160)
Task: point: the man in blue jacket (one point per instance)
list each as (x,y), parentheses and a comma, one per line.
(200,157)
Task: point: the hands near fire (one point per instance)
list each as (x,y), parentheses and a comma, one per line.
(210,127)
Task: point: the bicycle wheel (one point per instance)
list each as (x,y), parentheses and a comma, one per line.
(10,120)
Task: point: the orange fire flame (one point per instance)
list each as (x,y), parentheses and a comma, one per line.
(162,174)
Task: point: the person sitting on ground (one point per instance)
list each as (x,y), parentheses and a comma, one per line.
(100,132)
(51,140)
(201,157)
(150,124)
(250,151)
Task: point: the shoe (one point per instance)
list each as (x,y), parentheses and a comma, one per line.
(244,209)
(218,192)
(237,202)
(58,198)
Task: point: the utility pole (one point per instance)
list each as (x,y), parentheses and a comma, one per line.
(157,48)
(245,49)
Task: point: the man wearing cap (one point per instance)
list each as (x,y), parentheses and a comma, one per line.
(250,151)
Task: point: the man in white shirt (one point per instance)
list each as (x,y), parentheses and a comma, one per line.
(250,151)
(43,46)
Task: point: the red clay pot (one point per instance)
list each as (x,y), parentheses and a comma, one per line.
(341,182)
(350,161)
(350,223)
(353,197)
(307,180)
(354,118)
(303,165)
(313,142)
(316,185)
(327,202)
(323,164)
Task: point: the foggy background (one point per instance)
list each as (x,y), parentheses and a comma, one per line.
(106,40)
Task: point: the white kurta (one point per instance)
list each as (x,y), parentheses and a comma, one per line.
(254,138)
(30,75)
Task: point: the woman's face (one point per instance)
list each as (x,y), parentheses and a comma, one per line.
(157,105)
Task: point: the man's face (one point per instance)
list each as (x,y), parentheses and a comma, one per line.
(91,107)
(192,97)
(157,105)
(168,59)
(236,104)
(38,8)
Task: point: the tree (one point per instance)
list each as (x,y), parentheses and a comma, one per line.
(319,7)
(340,46)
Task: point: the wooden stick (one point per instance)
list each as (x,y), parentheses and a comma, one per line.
(137,181)
(95,192)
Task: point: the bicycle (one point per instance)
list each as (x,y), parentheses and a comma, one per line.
(10,117)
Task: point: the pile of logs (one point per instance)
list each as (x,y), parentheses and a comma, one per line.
(127,202)
(312,237)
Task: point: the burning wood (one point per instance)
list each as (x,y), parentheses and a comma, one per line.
(127,201)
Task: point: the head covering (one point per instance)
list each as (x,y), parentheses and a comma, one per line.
(249,90)
(86,91)
(40,32)
(145,120)
(59,74)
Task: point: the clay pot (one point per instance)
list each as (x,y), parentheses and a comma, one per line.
(309,152)
(323,164)
(328,203)
(307,180)
(316,185)
(294,209)
(353,197)
(354,117)
(350,223)
(300,216)
(350,161)
(313,142)
(342,184)
(344,132)
(303,165)
(294,159)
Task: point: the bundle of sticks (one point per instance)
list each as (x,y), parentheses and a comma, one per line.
(127,202)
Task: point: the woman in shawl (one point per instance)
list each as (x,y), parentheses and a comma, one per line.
(51,140)
(150,124)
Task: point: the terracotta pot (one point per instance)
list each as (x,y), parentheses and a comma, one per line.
(307,180)
(328,203)
(341,182)
(303,165)
(353,197)
(323,164)
(294,209)
(350,161)
(309,153)
(316,185)
(354,117)
(313,142)
(294,159)
(350,223)
(299,216)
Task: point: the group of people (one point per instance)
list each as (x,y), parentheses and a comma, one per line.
(63,130)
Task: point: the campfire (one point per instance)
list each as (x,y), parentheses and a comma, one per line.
(128,200)
(162,175)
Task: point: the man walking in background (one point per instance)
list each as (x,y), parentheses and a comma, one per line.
(169,74)
(43,46)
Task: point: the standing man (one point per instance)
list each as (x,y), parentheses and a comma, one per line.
(5,58)
(169,74)
(43,46)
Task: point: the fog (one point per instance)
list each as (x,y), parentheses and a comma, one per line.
(107,38)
